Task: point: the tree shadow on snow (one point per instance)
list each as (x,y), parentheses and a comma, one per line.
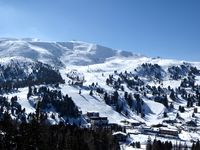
(83,97)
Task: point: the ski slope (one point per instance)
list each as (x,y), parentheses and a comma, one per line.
(95,63)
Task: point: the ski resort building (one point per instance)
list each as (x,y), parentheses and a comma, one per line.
(92,114)
(98,121)
(167,131)
(120,136)
(95,119)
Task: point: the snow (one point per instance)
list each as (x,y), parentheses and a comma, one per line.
(22,99)
(59,53)
(156,109)
(185,136)
(95,103)
(89,103)
(93,73)
(19,59)
(40,50)
(172,83)
(95,63)
(198,80)
(119,132)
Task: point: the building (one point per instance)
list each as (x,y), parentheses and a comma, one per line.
(92,114)
(120,136)
(95,119)
(159,130)
(145,129)
(170,121)
(148,130)
(136,123)
(168,131)
(98,121)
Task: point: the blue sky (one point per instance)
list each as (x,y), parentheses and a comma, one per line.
(166,28)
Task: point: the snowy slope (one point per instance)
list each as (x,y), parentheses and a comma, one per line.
(59,53)
(93,64)
(94,60)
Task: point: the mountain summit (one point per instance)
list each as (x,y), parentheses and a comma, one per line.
(59,53)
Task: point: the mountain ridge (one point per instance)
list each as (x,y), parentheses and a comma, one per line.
(60,53)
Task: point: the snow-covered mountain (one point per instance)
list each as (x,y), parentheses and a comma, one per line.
(119,85)
(59,53)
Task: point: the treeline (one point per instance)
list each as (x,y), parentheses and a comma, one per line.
(32,136)
(151,71)
(15,76)
(196,146)
(158,145)
(49,99)
(13,107)
(167,145)
(131,80)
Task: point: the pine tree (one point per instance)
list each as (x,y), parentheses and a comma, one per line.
(165,114)
(172,95)
(91,93)
(149,144)
(30,92)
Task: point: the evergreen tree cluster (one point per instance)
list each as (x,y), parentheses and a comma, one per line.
(129,99)
(188,82)
(111,99)
(13,108)
(184,70)
(14,76)
(15,136)
(139,103)
(152,71)
(181,109)
(136,144)
(130,79)
(177,72)
(158,145)
(64,105)
(196,146)
(159,93)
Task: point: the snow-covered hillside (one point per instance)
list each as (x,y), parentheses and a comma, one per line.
(95,62)
(117,84)
(17,71)
(59,53)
